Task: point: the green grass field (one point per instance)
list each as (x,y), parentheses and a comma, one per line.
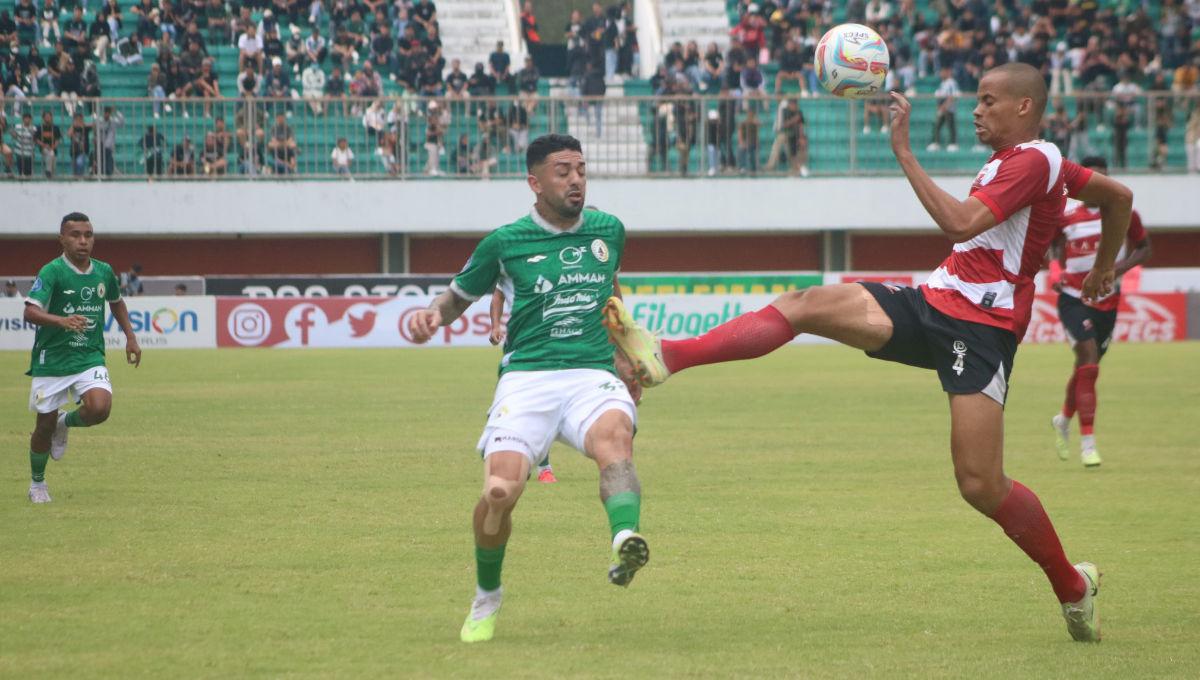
(306,514)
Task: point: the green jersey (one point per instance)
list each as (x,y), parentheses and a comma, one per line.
(557,282)
(63,290)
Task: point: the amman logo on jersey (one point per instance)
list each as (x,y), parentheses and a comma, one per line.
(600,250)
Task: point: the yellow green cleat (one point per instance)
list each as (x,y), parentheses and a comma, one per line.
(480,625)
(631,554)
(1083,620)
(640,346)
(1062,436)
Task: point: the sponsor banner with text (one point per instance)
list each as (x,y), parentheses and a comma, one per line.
(1143,317)
(383,322)
(159,322)
(752,283)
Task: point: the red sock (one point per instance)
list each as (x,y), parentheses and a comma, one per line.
(1085,396)
(1069,405)
(1024,520)
(746,337)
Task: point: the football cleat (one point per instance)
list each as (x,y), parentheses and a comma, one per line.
(630,555)
(1062,435)
(38,493)
(640,346)
(58,440)
(1083,621)
(480,625)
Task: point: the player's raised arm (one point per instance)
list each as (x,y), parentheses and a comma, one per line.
(133,351)
(1115,201)
(960,220)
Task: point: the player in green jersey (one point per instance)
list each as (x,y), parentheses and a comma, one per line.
(557,265)
(66,302)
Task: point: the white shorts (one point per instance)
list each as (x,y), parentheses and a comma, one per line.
(52,392)
(532,409)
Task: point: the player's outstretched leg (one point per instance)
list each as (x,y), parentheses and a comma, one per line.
(977,449)
(610,443)
(39,456)
(505,473)
(847,313)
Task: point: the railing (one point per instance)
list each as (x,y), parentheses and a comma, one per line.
(409,138)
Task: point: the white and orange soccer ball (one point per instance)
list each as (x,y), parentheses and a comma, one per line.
(852,61)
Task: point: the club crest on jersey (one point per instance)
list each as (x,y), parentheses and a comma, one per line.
(100,290)
(542,285)
(988,173)
(600,250)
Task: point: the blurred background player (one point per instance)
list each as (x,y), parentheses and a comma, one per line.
(545,473)
(1089,325)
(557,377)
(66,302)
(965,320)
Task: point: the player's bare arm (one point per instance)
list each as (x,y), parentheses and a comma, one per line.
(444,310)
(133,351)
(1115,201)
(1142,250)
(960,220)
(38,316)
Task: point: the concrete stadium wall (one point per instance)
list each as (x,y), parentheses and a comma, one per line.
(662,206)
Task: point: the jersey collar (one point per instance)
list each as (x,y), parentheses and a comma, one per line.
(541,222)
(75,269)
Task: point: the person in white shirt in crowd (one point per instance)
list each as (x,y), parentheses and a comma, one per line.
(342,156)
(313,82)
(947,94)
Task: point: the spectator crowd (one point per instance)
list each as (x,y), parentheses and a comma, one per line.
(382,62)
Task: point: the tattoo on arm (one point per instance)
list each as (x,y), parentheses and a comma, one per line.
(618,478)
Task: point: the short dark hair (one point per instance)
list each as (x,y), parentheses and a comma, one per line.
(545,145)
(1094,162)
(73,217)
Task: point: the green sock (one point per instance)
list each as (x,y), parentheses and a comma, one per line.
(75,420)
(487,566)
(623,511)
(37,465)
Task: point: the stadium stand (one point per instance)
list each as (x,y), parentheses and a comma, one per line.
(650,124)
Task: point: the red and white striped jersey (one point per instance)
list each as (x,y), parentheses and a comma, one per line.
(1081,235)
(989,279)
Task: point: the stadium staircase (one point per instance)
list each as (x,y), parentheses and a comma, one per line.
(470,29)
(701,20)
(621,148)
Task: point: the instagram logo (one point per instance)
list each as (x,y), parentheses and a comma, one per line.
(249,324)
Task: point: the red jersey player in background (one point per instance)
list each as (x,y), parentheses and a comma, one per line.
(1089,325)
(964,322)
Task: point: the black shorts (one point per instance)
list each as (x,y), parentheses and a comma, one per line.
(968,357)
(1086,323)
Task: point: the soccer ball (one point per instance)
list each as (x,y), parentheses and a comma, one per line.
(852,61)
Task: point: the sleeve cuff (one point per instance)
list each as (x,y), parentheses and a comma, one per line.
(457,290)
(1080,182)
(991,204)
(35,303)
